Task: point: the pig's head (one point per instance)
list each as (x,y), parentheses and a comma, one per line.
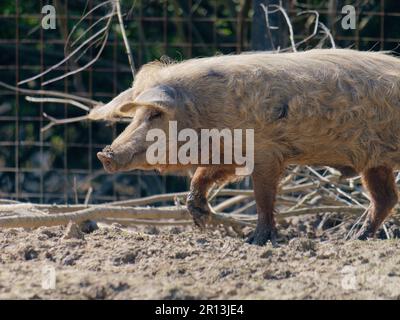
(151,109)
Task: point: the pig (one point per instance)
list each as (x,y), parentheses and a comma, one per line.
(332,107)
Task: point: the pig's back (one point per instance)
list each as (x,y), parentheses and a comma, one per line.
(320,84)
(340,72)
(342,105)
(312,62)
(316,83)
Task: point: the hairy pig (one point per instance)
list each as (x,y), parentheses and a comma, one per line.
(331,107)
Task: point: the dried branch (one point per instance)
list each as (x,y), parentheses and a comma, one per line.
(103,212)
(244,208)
(103,31)
(166,197)
(328,33)
(59,94)
(322,209)
(80,21)
(134,222)
(65,59)
(58,100)
(124,37)
(88,195)
(94,213)
(54,121)
(230,202)
(316,24)
(107,16)
(288,22)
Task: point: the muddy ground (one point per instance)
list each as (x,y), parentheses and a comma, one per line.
(114,262)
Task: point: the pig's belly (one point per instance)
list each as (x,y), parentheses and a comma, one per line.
(348,154)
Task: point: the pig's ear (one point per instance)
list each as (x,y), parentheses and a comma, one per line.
(160,97)
(111,109)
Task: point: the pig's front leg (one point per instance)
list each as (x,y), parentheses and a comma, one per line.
(265,182)
(202,181)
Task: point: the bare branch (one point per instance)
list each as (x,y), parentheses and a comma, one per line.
(54,121)
(81,19)
(230,202)
(315,31)
(105,36)
(99,213)
(85,66)
(58,100)
(289,24)
(328,33)
(103,31)
(126,43)
(244,208)
(91,27)
(95,44)
(65,59)
(88,195)
(51,93)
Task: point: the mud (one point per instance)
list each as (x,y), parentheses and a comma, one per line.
(114,262)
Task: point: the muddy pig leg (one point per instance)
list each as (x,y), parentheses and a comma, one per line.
(265,181)
(381,187)
(202,181)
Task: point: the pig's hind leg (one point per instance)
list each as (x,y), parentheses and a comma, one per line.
(381,186)
(265,181)
(203,179)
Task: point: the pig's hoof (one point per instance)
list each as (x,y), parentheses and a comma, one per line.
(201,215)
(366,231)
(201,218)
(262,235)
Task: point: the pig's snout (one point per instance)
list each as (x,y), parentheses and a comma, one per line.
(107,159)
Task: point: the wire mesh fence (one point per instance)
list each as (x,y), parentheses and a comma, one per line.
(60,165)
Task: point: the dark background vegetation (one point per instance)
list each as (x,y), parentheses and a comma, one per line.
(60,165)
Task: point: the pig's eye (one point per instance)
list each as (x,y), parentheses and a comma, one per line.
(154,115)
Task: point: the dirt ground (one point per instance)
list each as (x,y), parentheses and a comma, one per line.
(114,262)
